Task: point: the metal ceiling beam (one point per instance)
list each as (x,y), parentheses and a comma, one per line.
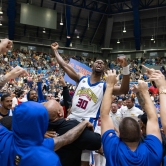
(88,6)
(41,3)
(98,26)
(68,23)
(76,23)
(11,13)
(137,29)
(117,5)
(85,29)
(49,33)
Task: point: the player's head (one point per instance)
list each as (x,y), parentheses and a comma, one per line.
(129,130)
(98,67)
(55,110)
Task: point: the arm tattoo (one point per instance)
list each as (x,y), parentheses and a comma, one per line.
(3,81)
(140,100)
(69,136)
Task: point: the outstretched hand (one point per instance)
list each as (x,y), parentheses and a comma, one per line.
(16,72)
(111,78)
(142,86)
(135,88)
(158,78)
(149,71)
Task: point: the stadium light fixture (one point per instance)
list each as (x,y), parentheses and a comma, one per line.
(44,31)
(152,38)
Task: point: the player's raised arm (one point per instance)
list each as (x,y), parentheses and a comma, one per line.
(66,67)
(124,88)
(106,121)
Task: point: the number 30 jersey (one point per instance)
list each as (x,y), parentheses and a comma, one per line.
(87,99)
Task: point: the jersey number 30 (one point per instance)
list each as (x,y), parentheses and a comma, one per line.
(82,103)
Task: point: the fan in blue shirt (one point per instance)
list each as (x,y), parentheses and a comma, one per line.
(127,150)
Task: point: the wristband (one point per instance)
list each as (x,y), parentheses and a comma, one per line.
(126,70)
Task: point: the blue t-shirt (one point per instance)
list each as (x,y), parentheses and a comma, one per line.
(117,153)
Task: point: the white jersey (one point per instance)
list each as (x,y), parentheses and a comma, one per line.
(133,113)
(87,99)
(116,118)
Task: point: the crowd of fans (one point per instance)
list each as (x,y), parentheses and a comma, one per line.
(43,81)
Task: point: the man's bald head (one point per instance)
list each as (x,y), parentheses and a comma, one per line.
(55,111)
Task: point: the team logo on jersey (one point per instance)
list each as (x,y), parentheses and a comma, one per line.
(88,93)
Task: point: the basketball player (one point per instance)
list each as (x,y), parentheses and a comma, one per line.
(90,90)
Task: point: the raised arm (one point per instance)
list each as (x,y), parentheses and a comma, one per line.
(139,96)
(14,73)
(5,45)
(159,79)
(71,135)
(106,120)
(66,67)
(152,123)
(124,88)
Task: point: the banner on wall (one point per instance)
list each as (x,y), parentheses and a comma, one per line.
(79,68)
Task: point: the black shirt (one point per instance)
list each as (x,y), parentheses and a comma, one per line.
(70,155)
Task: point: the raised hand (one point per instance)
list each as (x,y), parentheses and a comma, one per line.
(135,88)
(55,46)
(142,86)
(122,61)
(149,71)
(5,45)
(159,79)
(111,78)
(16,72)
(62,81)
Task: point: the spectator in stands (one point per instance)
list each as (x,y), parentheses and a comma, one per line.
(132,111)
(6,105)
(115,115)
(128,147)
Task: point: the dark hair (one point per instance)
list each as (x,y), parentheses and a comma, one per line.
(28,94)
(143,118)
(130,98)
(4,96)
(129,130)
(7,122)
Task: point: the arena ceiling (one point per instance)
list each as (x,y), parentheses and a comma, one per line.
(88,20)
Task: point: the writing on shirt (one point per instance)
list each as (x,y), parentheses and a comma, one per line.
(88,93)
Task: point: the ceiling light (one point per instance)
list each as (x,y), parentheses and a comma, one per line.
(152,38)
(44,31)
(118,41)
(61,23)
(68,37)
(1,12)
(0,23)
(124,30)
(78,37)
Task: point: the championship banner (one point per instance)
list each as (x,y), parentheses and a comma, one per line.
(79,68)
